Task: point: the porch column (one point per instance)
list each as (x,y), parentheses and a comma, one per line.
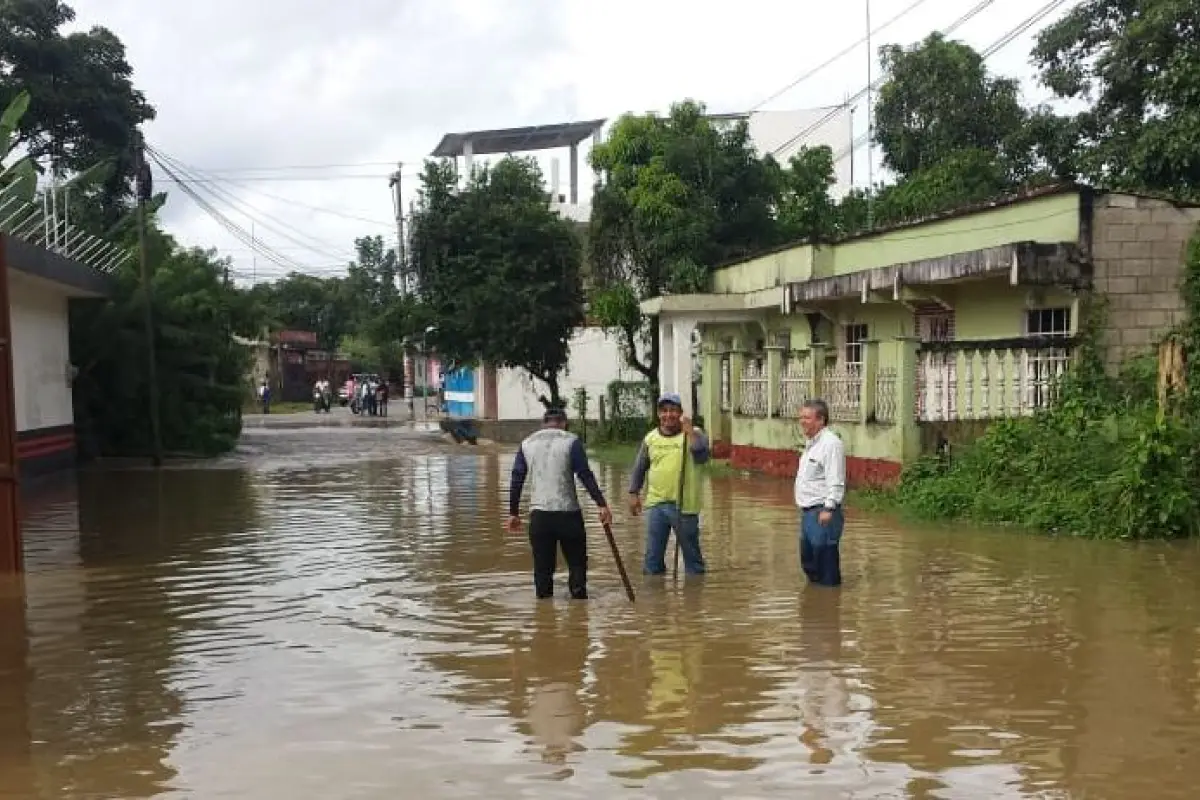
(774,370)
(816,354)
(710,386)
(870,368)
(906,396)
(737,362)
(675,358)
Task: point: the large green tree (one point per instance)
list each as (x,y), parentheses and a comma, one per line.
(497,269)
(1137,62)
(679,195)
(86,109)
(201,370)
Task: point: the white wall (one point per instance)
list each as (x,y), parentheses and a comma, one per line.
(773,131)
(40,353)
(596,361)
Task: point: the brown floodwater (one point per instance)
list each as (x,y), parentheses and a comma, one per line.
(339,614)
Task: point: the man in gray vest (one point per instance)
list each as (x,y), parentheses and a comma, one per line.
(553,457)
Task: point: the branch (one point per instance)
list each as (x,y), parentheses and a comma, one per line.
(631,333)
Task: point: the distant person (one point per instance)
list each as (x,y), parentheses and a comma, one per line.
(381,398)
(553,457)
(667,463)
(264,397)
(820,490)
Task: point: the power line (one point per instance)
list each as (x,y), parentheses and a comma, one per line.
(1004,41)
(293,178)
(841,54)
(281,228)
(804,133)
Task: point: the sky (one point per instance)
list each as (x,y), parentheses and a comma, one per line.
(286,117)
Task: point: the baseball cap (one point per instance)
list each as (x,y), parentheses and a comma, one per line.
(669,399)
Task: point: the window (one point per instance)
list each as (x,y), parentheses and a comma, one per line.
(1045,367)
(1048,322)
(855,338)
(783,339)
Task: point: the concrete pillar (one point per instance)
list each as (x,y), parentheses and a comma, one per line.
(870,368)
(906,396)
(774,372)
(682,383)
(574,174)
(816,353)
(710,387)
(468,160)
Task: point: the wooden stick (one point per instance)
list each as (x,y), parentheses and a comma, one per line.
(612,542)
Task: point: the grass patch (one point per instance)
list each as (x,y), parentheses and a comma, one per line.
(285,407)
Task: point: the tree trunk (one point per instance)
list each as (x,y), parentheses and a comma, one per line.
(649,370)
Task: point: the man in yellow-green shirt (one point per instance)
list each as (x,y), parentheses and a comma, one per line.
(667,464)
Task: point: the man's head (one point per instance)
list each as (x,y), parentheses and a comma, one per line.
(814,416)
(670,409)
(555,418)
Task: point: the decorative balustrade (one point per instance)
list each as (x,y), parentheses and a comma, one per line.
(842,386)
(795,384)
(990,379)
(886,395)
(753,383)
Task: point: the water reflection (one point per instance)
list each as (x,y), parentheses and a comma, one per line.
(341,614)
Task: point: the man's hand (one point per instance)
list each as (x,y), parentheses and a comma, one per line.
(685,425)
(605,515)
(825,517)
(514,524)
(635,504)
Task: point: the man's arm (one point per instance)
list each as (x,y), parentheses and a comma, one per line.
(835,472)
(520,469)
(699,444)
(583,470)
(641,465)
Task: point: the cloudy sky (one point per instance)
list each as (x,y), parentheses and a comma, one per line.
(287,116)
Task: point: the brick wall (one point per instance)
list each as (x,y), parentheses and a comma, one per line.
(1138,247)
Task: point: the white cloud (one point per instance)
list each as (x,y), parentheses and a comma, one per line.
(347,89)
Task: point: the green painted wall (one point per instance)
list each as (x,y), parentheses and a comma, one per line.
(765,272)
(1044,219)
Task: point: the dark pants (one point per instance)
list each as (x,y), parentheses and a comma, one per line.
(819,555)
(549,531)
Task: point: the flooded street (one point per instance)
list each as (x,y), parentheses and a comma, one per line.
(339,614)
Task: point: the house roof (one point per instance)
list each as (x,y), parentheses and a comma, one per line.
(517,140)
(39,262)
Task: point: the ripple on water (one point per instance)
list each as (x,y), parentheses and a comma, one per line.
(338,613)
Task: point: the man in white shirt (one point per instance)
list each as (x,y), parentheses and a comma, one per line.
(820,490)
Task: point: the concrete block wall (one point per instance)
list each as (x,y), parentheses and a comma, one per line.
(1138,248)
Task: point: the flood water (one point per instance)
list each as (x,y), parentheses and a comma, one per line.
(339,614)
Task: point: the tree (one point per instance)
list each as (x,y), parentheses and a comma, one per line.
(1139,60)
(86,108)
(680,195)
(201,370)
(302,302)
(805,209)
(939,100)
(497,269)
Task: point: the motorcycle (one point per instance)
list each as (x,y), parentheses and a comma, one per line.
(320,402)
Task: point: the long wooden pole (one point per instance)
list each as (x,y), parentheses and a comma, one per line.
(612,542)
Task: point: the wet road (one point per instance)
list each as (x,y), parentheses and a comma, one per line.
(338,614)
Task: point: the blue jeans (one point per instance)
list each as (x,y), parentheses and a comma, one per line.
(819,555)
(660,521)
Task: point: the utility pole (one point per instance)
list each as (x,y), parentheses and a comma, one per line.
(870,129)
(145,190)
(401,260)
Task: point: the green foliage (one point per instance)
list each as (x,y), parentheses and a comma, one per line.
(85,107)
(498,269)
(201,371)
(940,100)
(1137,62)
(1105,462)
(680,194)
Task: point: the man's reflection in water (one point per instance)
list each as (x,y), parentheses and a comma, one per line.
(824,696)
(551,674)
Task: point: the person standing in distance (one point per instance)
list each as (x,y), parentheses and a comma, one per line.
(553,457)
(666,461)
(820,490)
